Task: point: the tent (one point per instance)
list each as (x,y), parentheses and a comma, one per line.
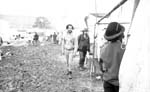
(134,73)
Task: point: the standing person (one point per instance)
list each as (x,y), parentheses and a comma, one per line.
(1,41)
(69,47)
(111,56)
(62,40)
(83,47)
(35,38)
(51,37)
(55,38)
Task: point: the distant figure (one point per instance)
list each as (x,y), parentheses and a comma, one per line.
(83,47)
(50,37)
(111,56)
(55,38)
(1,41)
(35,39)
(58,38)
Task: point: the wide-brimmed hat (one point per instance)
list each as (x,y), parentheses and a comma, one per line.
(85,30)
(113,31)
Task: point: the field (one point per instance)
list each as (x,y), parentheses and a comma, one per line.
(42,69)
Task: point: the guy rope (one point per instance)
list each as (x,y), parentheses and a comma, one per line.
(109,13)
(136,3)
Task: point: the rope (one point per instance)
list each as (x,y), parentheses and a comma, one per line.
(109,13)
(136,3)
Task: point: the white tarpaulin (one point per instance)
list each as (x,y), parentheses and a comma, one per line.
(134,73)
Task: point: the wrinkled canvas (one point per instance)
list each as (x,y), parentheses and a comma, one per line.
(134,75)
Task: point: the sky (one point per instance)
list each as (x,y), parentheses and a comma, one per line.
(61,12)
(55,8)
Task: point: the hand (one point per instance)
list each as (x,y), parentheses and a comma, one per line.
(88,55)
(74,53)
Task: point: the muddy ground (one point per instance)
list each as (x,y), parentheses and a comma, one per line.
(42,69)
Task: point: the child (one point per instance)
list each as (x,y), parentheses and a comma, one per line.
(111,56)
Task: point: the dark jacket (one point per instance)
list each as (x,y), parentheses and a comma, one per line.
(84,43)
(111,55)
(1,41)
(36,37)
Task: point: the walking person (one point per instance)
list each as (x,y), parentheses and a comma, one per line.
(83,47)
(111,56)
(1,41)
(55,38)
(35,39)
(69,47)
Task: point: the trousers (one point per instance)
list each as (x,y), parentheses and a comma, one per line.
(110,88)
(69,58)
(82,58)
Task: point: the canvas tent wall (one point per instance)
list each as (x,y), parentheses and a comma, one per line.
(134,73)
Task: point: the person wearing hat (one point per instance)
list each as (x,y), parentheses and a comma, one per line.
(111,56)
(69,47)
(83,47)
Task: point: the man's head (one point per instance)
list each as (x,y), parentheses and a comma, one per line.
(69,27)
(85,31)
(114,32)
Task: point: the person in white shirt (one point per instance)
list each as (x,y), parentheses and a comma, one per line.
(69,47)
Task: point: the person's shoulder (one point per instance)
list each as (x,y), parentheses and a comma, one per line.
(117,44)
(105,45)
(80,35)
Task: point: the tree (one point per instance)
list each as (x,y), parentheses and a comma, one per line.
(42,23)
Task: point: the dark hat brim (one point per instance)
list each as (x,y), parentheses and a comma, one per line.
(114,36)
(85,30)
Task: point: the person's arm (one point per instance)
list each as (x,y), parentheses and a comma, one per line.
(1,41)
(78,41)
(102,66)
(88,44)
(63,44)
